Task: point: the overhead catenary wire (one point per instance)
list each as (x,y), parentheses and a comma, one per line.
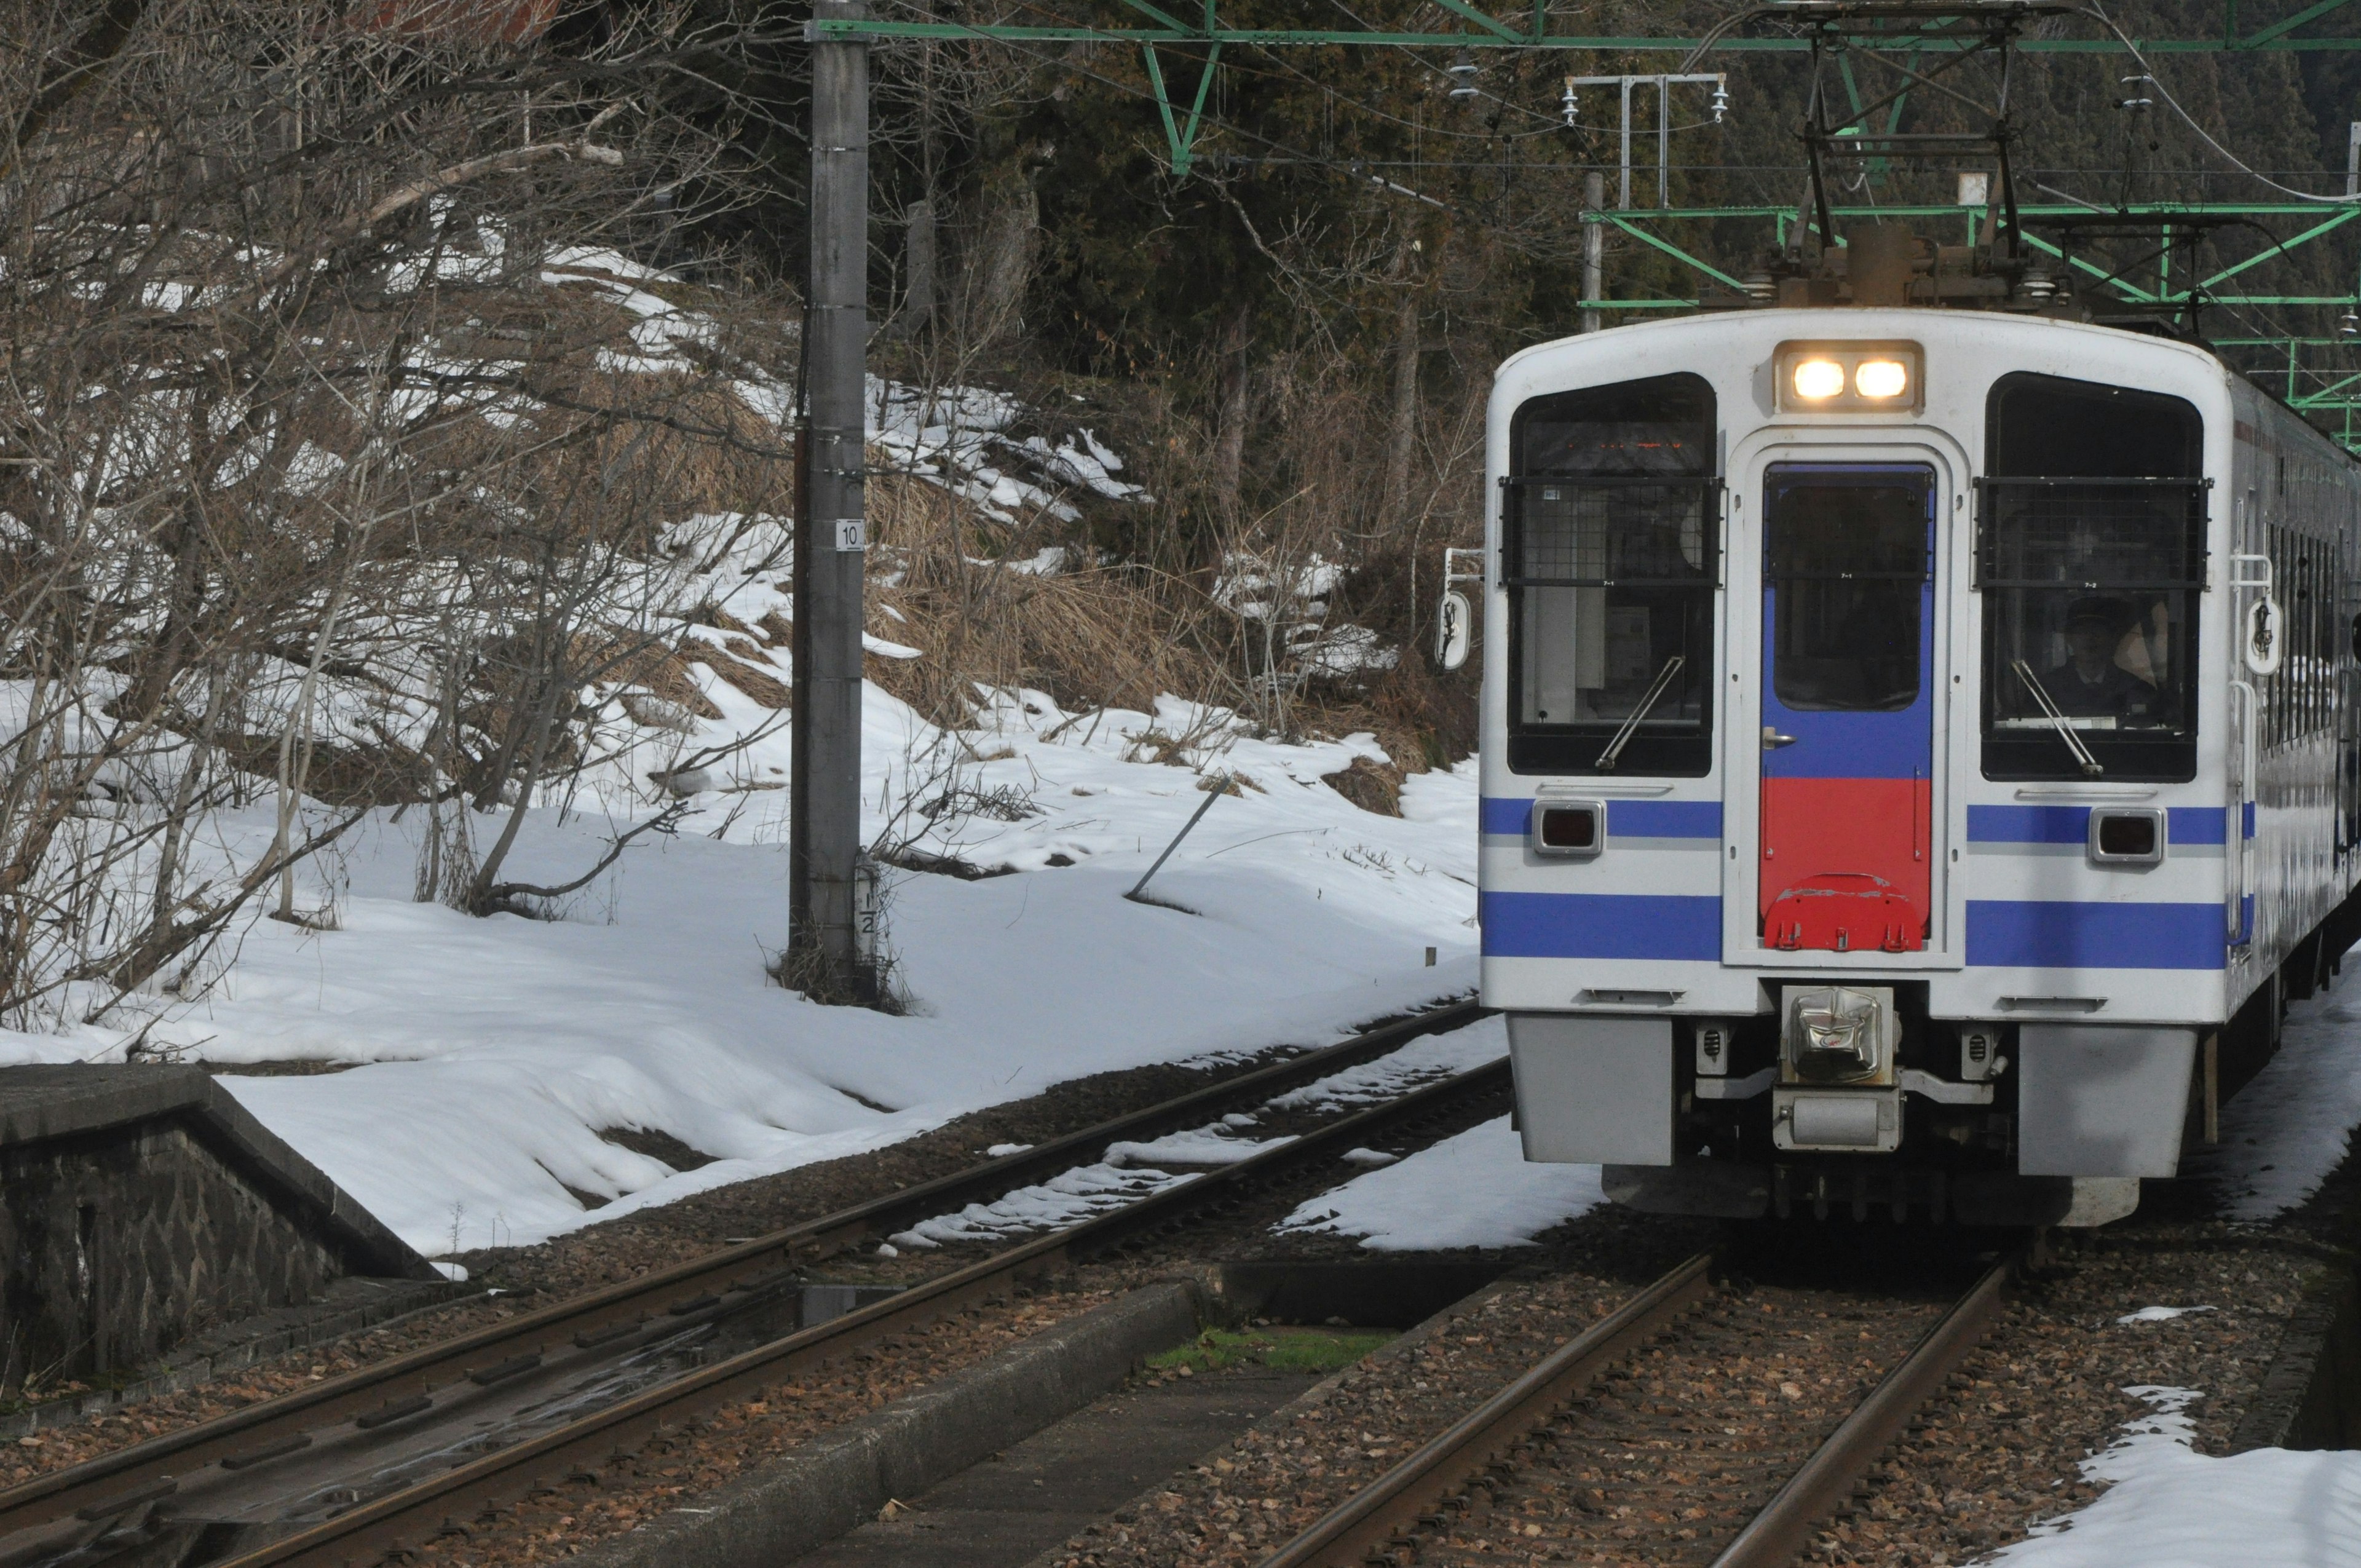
(2093,11)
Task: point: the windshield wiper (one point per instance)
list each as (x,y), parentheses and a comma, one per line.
(1605,762)
(2058,721)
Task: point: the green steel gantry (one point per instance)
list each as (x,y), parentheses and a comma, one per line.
(1488,31)
(1883,30)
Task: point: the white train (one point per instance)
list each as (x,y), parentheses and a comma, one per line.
(1920,755)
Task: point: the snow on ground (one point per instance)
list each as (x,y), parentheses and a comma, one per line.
(2170,1507)
(2285,1131)
(1473,1189)
(485,1057)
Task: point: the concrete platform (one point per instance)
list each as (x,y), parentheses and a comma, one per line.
(1023,1501)
(143,1206)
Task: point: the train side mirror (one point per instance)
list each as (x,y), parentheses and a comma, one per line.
(1453,619)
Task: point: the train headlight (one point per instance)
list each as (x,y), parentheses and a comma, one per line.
(1838,1034)
(1850,378)
(1881,378)
(1818,380)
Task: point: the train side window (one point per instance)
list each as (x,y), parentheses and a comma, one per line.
(2091,558)
(1610,556)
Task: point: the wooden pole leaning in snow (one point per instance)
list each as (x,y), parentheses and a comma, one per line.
(1213,795)
(831,529)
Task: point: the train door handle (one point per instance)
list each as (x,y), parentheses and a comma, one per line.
(1773,740)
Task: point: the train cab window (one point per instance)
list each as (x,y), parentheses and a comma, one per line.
(2091,558)
(1610,545)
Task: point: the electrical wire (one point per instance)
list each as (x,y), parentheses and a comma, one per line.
(2092,10)
(1362,22)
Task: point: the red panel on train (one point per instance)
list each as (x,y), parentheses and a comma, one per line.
(1844,863)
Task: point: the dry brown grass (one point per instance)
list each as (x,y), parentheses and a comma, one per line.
(1092,636)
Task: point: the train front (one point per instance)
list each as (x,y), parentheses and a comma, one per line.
(1854,778)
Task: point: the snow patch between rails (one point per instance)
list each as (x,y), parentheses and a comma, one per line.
(1473,1189)
(2160,1314)
(2170,1506)
(1423,1060)
(1059,1203)
(1199,1148)
(1131,1170)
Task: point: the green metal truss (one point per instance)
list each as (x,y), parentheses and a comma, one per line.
(1152,27)
(2203,291)
(1531,30)
(2320,391)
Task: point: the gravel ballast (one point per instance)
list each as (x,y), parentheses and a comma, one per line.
(1663,1461)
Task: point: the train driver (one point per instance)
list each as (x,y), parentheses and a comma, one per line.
(2091,684)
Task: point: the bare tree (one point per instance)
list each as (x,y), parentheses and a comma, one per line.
(291,357)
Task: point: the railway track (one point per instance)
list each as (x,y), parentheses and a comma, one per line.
(1544,1439)
(374,1462)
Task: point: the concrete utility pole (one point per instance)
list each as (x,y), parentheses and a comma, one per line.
(1594,245)
(828,953)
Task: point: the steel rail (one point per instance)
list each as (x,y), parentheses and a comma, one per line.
(745,1269)
(1396,1502)
(401,1519)
(1374,1523)
(1775,1536)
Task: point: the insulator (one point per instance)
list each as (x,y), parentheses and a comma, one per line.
(1462,72)
(1568,103)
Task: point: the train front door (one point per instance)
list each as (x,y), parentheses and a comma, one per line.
(1848,706)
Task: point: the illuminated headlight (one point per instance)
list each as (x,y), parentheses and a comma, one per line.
(1819,380)
(1850,378)
(1881,378)
(1838,1034)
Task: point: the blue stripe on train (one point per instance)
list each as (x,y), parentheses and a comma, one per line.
(2032,933)
(2029,933)
(2071,824)
(1602,925)
(1627,819)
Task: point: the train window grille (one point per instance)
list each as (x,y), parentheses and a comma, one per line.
(1610,556)
(2300,703)
(2091,587)
(1612,580)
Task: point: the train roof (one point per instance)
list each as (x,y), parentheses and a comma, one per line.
(1919,322)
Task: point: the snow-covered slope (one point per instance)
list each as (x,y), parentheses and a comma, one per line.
(489,1054)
